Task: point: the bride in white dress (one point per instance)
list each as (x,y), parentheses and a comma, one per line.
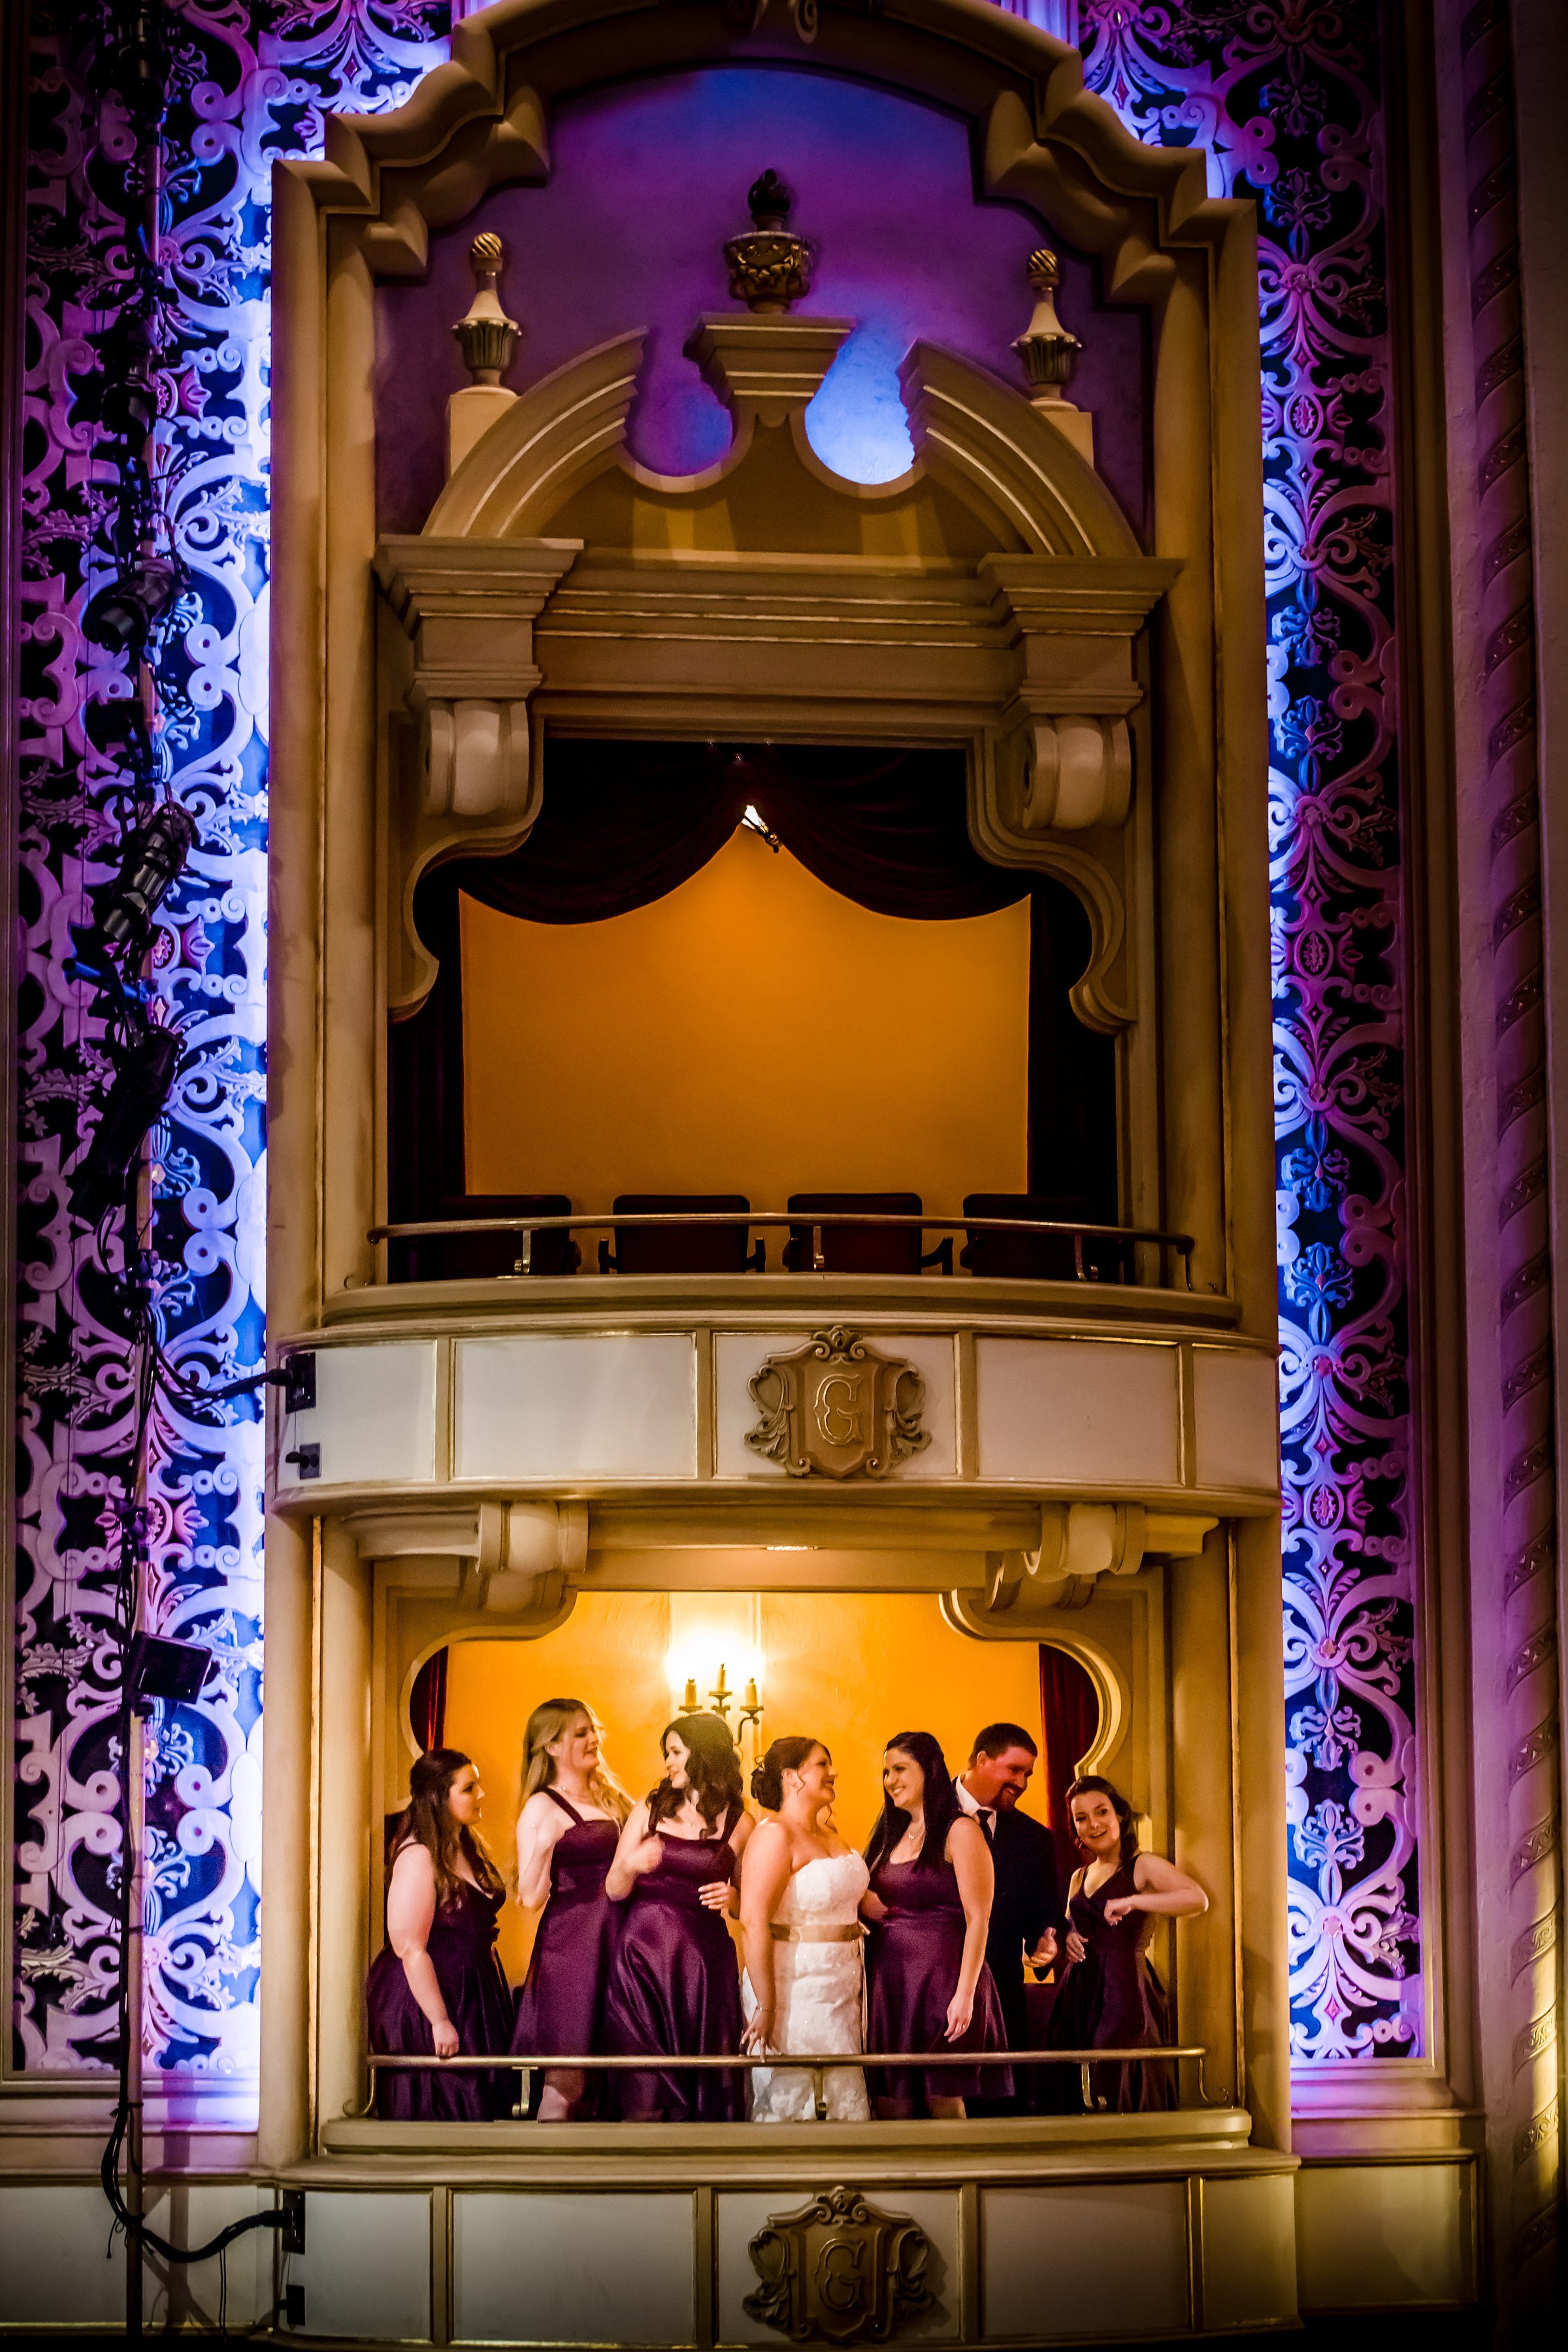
(803,1987)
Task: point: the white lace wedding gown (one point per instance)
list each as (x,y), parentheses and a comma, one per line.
(818,1995)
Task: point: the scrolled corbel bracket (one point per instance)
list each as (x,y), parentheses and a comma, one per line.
(468,608)
(477,762)
(1079,1544)
(1063,772)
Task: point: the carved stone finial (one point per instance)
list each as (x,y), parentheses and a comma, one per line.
(769,267)
(488,336)
(1047,351)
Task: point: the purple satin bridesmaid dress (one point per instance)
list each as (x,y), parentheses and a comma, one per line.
(561,2008)
(1112,1999)
(462,1948)
(675,1986)
(913,1961)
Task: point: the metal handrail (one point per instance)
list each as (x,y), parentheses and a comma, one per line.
(817,2064)
(799,1220)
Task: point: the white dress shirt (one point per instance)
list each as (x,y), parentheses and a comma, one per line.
(984,1814)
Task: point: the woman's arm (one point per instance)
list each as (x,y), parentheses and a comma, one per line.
(971,1859)
(540,1826)
(764,1878)
(410,1915)
(635,1855)
(1162,1889)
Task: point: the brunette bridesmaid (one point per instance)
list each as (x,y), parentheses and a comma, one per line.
(436,1988)
(929,1906)
(674,1985)
(567,1833)
(1109,1998)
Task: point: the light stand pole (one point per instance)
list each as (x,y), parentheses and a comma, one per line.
(136,1836)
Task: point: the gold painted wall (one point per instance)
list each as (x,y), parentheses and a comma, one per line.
(848,1668)
(754,1032)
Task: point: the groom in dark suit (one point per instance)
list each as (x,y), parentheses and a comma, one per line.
(1027,1913)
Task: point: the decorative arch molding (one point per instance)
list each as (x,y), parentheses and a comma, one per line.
(1029,653)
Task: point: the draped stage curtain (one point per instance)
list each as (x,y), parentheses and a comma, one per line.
(626,823)
(1070,1717)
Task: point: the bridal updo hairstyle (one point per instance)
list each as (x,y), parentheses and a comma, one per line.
(940,1804)
(1091,1785)
(784,1755)
(425,1821)
(712,1770)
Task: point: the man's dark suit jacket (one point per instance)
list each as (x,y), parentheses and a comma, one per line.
(1028,1900)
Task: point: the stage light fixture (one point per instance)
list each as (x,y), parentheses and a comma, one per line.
(755,822)
(159,1668)
(151,862)
(144,1072)
(119,616)
(134,63)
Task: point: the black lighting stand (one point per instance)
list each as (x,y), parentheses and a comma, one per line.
(125,48)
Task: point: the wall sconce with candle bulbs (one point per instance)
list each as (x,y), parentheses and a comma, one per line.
(699,1668)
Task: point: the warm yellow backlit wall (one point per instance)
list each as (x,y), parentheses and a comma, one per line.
(849,1668)
(753,1032)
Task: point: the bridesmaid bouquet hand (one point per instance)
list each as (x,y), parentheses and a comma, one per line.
(960,2016)
(716,1895)
(444,2037)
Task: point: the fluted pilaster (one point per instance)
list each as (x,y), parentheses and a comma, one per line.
(1527,1470)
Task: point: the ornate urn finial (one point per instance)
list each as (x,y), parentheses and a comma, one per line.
(1047,351)
(769,267)
(488,336)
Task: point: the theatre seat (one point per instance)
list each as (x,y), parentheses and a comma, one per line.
(1041,1257)
(470,1257)
(862,1249)
(681,1249)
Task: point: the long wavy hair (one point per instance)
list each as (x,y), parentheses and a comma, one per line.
(550,1721)
(425,1821)
(1091,1785)
(712,1770)
(940,1804)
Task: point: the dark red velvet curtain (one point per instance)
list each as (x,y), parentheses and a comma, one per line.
(626,824)
(428,1703)
(1069,1714)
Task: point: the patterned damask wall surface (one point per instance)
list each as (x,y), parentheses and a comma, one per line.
(1285,95)
(251,83)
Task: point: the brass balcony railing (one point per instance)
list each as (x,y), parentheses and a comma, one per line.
(1120,1237)
(817,2064)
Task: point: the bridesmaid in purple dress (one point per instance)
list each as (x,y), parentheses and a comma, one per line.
(929,1906)
(675,1984)
(1109,1998)
(567,1833)
(436,1988)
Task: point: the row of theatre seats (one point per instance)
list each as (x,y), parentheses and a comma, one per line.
(729,1248)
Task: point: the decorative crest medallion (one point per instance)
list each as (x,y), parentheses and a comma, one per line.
(838,2271)
(838,1408)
